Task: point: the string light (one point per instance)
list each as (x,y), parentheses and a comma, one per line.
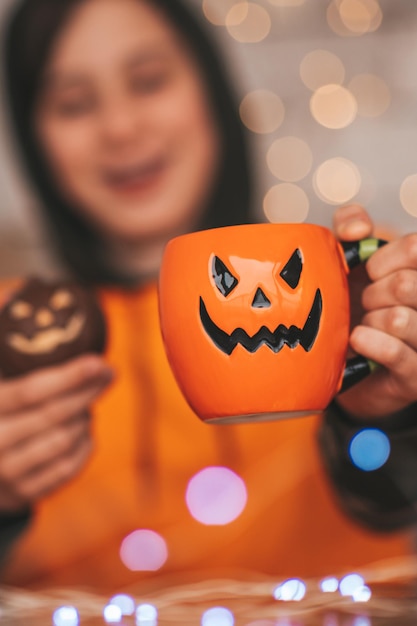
(292,589)
(66,616)
(248,22)
(289,159)
(333,106)
(321,67)
(217,616)
(262,111)
(408,194)
(337,180)
(146,615)
(286,202)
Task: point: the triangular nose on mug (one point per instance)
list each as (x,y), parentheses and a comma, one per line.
(255,319)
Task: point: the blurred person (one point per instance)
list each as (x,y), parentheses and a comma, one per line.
(129,131)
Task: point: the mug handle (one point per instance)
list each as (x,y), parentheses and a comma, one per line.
(356,252)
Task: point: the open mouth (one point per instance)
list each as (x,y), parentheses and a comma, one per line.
(275,340)
(134,176)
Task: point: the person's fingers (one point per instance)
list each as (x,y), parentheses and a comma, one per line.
(49,478)
(398,321)
(42,385)
(397,255)
(398,288)
(352,222)
(395,355)
(16,429)
(43,450)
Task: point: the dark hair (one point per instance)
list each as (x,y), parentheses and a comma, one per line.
(29,37)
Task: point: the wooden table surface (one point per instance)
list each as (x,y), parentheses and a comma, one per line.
(392,601)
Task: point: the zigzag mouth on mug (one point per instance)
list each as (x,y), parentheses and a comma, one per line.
(275,340)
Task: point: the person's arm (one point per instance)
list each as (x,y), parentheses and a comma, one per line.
(385,498)
(383,306)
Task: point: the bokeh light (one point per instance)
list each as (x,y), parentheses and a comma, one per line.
(289,158)
(262,111)
(287,3)
(333,106)
(143,550)
(287,203)
(329,584)
(337,180)
(372,94)
(349,583)
(408,194)
(125,603)
(217,616)
(360,16)
(216,496)
(369,449)
(112,614)
(146,614)
(321,67)
(353,18)
(216,12)
(248,22)
(292,589)
(362,594)
(66,616)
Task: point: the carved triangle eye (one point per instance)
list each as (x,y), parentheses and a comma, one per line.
(292,270)
(223,278)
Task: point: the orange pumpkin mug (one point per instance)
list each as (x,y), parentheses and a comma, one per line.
(255,319)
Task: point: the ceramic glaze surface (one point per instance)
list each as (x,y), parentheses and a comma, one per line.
(255,319)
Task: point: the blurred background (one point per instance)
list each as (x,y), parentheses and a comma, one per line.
(328,90)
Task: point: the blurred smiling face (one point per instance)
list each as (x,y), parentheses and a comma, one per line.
(124,123)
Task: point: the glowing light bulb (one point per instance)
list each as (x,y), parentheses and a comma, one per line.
(112,614)
(349,583)
(292,589)
(66,616)
(146,615)
(329,585)
(362,594)
(217,616)
(125,603)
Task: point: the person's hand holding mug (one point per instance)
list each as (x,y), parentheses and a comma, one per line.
(387,332)
(255,319)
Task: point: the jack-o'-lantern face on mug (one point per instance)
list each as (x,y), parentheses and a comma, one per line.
(259,296)
(255,318)
(48,323)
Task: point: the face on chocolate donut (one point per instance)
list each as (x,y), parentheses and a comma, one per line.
(48,323)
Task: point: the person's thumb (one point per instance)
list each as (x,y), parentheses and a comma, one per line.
(352,222)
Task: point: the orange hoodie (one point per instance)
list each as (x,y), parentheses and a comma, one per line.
(167,498)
